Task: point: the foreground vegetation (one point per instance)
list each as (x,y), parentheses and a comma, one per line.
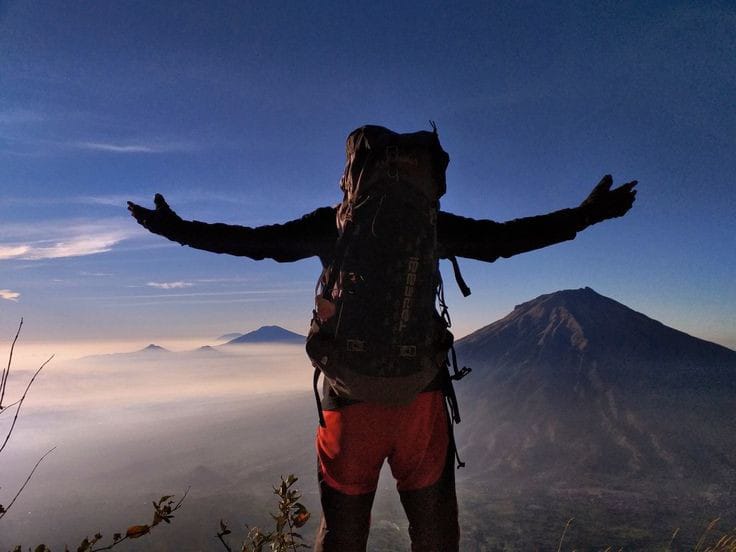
(291,515)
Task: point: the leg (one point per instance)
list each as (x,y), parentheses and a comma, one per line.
(345,520)
(432,514)
(423,466)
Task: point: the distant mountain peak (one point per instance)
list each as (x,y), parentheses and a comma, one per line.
(206,348)
(559,297)
(153,348)
(268,334)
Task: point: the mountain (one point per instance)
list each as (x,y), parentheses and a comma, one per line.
(575,389)
(149,352)
(152,349)
(268,334)
(228,337)
(204,352)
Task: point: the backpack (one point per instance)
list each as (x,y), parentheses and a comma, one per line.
(375,333)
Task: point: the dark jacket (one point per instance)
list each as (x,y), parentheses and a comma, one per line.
(315,234)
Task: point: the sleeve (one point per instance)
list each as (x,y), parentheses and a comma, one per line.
(313,234)
(487,240)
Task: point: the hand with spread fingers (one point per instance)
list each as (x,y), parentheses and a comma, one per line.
(161,220)
(604,203)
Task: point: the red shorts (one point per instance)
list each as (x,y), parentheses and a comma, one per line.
(359,437)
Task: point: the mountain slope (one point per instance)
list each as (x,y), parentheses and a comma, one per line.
(228,337)
(561,329)
(268,334)
(575,388)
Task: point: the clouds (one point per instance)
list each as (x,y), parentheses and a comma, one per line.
(13,251)
(73,246)
(9,295)
(170,285)
(61,239)
(118,201)
(137,147)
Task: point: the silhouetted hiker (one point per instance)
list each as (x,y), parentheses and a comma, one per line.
(376,334)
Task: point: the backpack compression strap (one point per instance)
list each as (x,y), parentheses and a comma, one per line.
(459,277)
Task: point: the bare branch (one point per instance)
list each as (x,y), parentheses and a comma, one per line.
(157,510)
(111,546)
(8,407)
(220,535)
(20,403)
(178,504)
(5,511)
(6,371)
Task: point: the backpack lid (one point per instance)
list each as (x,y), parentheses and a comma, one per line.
(374,139)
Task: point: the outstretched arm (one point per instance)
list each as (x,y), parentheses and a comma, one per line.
(312,235)
(486,240)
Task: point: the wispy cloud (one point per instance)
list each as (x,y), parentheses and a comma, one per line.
(20,116)
(74,246)
(135,147)
(112,200)
(254,292)
(14,251)
(170,298)
(170,285)
(60,239)
(119,200)
(77,246)
(230,280)
(9,295)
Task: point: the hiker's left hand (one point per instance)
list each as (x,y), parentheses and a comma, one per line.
(604,203)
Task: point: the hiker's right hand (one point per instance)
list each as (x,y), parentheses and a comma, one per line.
(160,220)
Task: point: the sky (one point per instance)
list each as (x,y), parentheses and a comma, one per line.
(238,111)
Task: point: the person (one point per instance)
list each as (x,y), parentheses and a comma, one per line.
(415,438)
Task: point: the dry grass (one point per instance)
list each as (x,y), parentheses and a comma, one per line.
(712,540)
(725,543)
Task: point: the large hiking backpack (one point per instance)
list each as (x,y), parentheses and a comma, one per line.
(376,334)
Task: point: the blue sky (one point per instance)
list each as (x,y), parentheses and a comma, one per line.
(238,111)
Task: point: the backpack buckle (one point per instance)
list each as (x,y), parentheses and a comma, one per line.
(408,351)
(460,374)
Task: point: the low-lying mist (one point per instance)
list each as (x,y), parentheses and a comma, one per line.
(129,428)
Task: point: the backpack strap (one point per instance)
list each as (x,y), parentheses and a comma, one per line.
(315,383)
(453,410)
(453,416)
(458,374)
(459,277)
(448,389)
(336,265)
